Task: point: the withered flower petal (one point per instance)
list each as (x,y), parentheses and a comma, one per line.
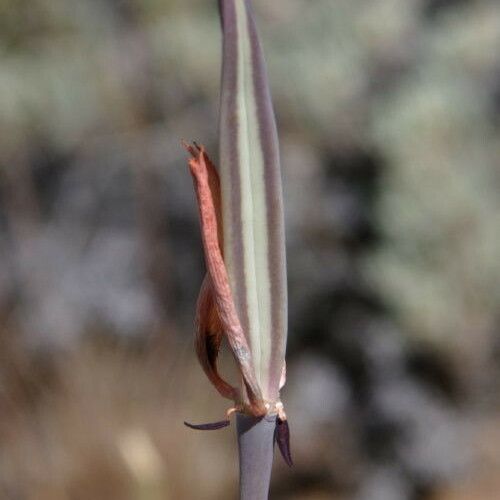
(220,287)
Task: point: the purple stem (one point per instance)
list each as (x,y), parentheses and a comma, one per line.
(256,450)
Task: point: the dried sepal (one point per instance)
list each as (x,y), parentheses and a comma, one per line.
(220,289)
(213,426)
(282,437)
(209,333)
(209,329)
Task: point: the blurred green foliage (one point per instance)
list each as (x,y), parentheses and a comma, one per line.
(439,204)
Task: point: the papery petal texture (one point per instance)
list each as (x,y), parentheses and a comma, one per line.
(218,290)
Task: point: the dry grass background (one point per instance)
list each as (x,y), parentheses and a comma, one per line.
(105,421)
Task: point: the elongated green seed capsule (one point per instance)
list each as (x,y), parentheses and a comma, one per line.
(252,204)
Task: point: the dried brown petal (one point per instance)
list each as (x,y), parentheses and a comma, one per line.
(220,288)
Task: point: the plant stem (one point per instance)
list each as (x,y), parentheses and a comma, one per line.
(256,450)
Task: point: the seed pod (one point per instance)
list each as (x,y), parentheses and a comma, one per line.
(252,204)
(243,296)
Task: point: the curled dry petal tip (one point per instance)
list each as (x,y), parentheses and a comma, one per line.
(193,149)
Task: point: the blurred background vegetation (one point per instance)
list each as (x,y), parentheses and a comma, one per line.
(389,116)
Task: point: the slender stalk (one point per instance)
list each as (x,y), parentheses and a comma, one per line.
(256,449)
